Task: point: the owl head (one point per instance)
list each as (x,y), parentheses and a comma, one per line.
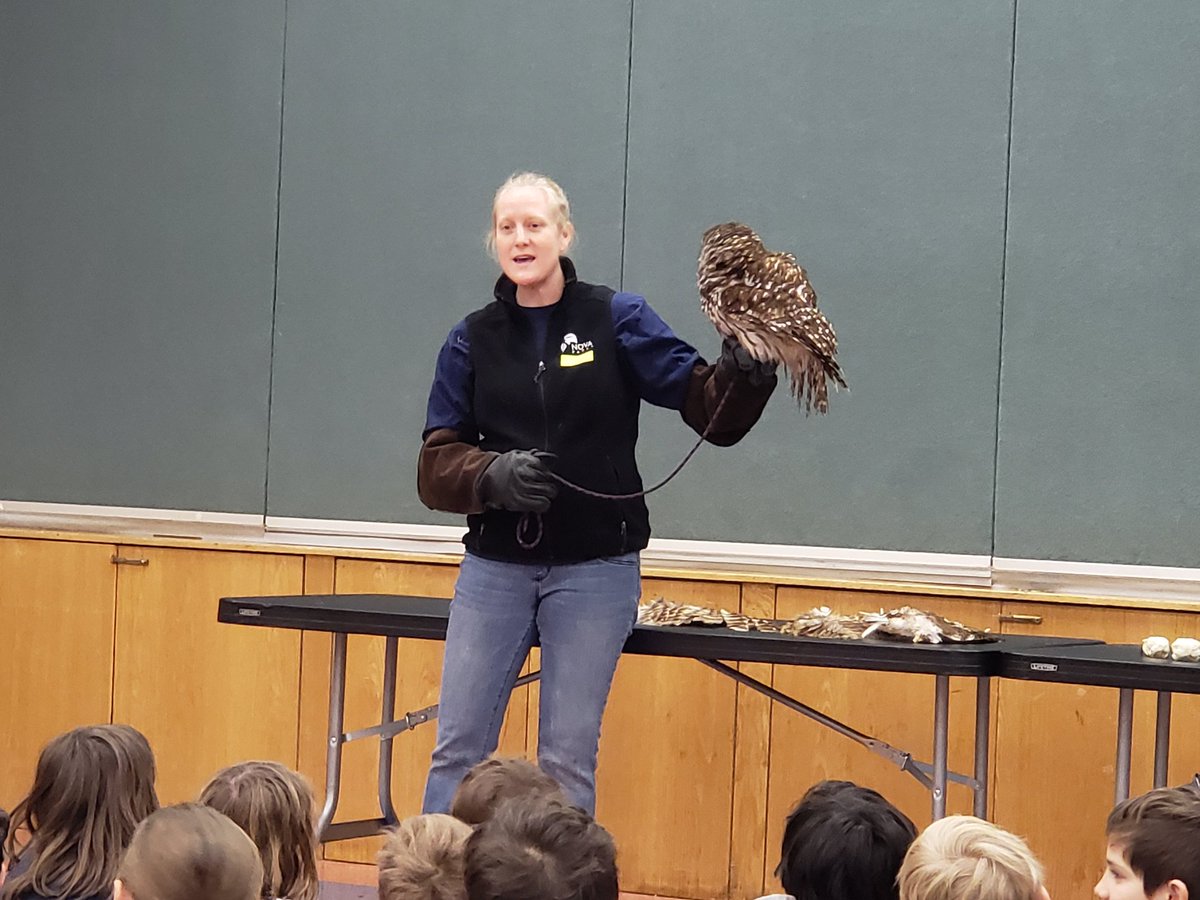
(729,248)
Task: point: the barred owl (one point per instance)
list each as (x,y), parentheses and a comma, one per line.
(764,301)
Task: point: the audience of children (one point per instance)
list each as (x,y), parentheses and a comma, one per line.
(90,829)
(274,805)
(189,852)
(965,858)
(843,841)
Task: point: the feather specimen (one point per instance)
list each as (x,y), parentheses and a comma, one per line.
(905,623)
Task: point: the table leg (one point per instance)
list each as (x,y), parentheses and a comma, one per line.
(385,742)
(941,733)
(983,716)
(333,749)
(1162,738)
(1124,742)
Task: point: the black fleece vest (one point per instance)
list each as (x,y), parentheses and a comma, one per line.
(571,397)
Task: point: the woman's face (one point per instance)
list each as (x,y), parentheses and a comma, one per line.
(529,237)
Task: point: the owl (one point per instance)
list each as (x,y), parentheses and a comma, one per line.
(764,301)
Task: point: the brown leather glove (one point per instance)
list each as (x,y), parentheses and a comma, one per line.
(738,357)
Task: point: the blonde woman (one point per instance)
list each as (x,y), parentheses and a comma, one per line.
(274,805)
(548,379)
(91,788)
(189,852)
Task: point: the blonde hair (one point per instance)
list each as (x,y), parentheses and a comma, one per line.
(273,805)
(422,859)
(190,852)
(560,207)
(91,788)
(965,858)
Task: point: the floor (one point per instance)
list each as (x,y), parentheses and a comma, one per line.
(356,881)
(332,890)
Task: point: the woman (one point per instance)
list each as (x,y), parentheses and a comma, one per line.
(92,787)
(550,375)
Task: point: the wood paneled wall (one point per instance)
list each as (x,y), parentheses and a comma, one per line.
(696,772)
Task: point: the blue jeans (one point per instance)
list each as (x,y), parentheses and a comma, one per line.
(582,613)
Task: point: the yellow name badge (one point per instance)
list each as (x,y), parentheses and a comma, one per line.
(567,360)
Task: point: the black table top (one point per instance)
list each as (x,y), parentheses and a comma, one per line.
(426,618)
(1105,665)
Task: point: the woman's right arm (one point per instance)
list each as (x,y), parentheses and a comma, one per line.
(451,462)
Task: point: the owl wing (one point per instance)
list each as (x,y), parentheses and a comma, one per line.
(778,321)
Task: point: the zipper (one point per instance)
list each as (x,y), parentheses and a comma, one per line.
(541,388)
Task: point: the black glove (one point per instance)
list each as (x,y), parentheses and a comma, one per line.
(737,357)
(518,480)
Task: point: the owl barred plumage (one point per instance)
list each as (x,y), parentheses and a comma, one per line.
(764,301)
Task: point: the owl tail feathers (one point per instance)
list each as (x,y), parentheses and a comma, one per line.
(810,385)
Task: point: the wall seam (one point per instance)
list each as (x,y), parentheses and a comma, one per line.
(625,172)
(275,283)
(1012,82)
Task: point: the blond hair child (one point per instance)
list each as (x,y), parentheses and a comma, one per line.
(965,858)
(422,859)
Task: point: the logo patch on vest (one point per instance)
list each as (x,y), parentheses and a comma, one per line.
(574,352)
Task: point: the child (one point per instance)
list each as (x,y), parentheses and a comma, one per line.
(538,849)
(500,778)
(1152,847)
(3,838)
(273,805)
(422,859)
(91,788)
(189,852)
(964,858)
(843,841)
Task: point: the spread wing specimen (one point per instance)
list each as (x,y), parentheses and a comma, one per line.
(764,301)
(906,623)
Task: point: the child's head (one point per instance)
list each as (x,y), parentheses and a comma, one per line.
(1152,847)
(965,858)
(273,805)
(189,852)
(843,840)
(496,780)
(91,788)
(422,859)
(3,838)
(539,849)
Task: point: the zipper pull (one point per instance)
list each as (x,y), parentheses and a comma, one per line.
(541,369)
